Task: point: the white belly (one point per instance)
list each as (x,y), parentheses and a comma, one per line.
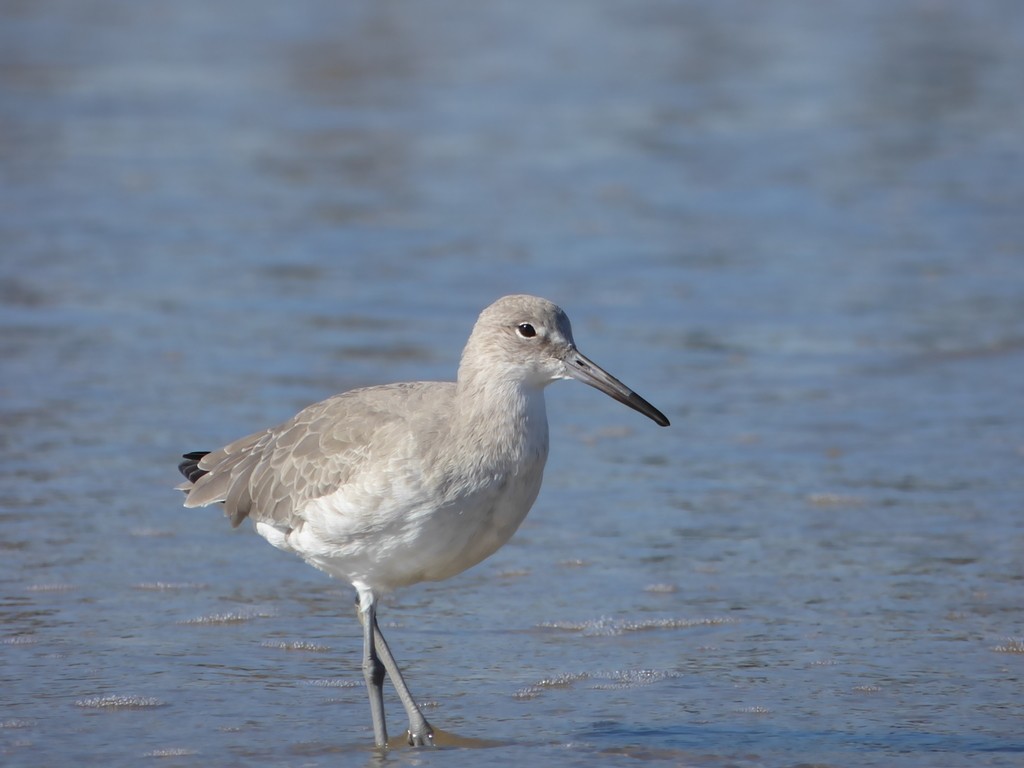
(412,538)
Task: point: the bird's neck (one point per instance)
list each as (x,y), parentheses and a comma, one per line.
(504,419)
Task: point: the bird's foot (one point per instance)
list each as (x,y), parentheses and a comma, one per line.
(420,735)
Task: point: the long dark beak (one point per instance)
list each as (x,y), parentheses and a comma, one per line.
(581,368)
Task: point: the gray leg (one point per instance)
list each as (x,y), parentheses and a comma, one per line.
(419,734)
(373,671)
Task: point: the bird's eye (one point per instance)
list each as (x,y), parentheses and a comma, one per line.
(526,330)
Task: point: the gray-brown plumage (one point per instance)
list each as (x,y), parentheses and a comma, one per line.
(391,485)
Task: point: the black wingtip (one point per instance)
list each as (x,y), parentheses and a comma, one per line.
(190,466)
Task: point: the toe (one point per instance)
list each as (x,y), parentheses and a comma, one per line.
(420,737)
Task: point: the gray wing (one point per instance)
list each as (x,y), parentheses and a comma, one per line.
(271,475)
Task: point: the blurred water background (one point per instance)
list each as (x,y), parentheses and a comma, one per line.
(796,227)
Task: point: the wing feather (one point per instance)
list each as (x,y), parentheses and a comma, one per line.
(270,476)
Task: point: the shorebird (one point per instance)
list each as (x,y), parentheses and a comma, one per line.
(392,485)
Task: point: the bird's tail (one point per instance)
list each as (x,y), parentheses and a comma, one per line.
(190,468)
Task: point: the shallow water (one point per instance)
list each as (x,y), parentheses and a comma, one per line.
(794,227)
